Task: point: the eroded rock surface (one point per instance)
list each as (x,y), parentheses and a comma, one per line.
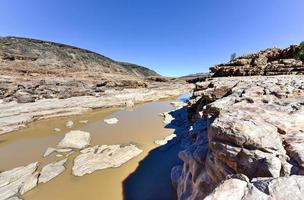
(18,178)
(273,61)
(253,126)
(102,157)
(281,188)
(51,170)
(75,140)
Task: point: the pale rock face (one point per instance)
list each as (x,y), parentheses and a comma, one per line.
(75,140)
(11,181)
(111,121)
(254,126)
(102,157)
(51,170)
(30,183)
(281,188)
(232,189)
(83,121)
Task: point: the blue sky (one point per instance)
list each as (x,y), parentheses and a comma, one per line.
(173,37)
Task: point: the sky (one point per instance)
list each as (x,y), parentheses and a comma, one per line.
(172,37)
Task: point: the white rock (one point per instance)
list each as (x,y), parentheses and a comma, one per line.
(165,140)
(51,170)
(63,150)
(83,121)
(178,104)
(167,118)
(129,104)
(29,183)
(11,181)
(49,151)
(75,139)
(104,157)
(69,124)
(59,155)
(14,198)
(57,129)
(111,121)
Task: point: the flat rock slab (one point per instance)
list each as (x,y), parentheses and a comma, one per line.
(75,140)
(111,121)
(165,140)
(102,157)
(51,170)
(11,181)
(178,104)
(167,118)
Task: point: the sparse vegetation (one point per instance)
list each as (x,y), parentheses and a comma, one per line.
(301,51)
(232,56)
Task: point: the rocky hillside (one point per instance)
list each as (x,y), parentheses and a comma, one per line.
(250,140)
(31,70)
(273,61)
(28,56)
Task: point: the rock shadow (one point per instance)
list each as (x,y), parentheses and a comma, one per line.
(152,178)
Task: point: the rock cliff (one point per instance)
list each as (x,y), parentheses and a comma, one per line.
(273,61)
(252,137)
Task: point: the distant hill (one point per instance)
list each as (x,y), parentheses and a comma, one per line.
(23,55)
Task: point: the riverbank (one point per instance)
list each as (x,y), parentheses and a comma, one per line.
(16,115)
(141,126)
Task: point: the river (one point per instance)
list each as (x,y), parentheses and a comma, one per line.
(145,177)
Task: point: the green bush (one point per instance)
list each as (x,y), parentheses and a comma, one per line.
(232,56)
(301,51)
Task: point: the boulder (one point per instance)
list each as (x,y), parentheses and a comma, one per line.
(75,140)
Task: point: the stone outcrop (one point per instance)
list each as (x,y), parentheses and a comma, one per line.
(251,126)
(102,157)
(273,61)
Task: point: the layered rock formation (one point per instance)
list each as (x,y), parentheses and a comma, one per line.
(273,61)
(40,79)
(251,126)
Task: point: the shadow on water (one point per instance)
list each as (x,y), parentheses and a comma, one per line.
(151,180)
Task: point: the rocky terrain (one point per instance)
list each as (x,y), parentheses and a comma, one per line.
(40,79)
(274,61)
(16,182)
(249,144)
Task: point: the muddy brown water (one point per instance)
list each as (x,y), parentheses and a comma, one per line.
(141,126)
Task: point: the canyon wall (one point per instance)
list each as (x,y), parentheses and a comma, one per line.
(250,141)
